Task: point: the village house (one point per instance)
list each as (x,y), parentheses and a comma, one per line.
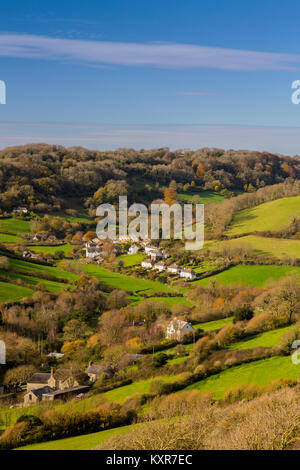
(133,250)
(177,329)
(147,263)
(64,379)
(36,395)
(128,238)
(188,274)
(155,254)
(48,394)
(20,210)
(173,269)
(96,241)
(29,254)
(41,379)
(40,237)
(94,370)
(161,266)
(56,355)
(148,248)
(91,250)
(65,394)
(52,239)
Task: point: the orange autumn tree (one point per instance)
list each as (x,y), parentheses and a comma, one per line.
(170,196)
(89,236)
(200,172)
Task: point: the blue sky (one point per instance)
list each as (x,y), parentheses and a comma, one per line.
(113,73)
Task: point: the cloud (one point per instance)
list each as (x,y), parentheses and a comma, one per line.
(162,55)
(285,140)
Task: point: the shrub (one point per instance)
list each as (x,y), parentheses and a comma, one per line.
(243,313)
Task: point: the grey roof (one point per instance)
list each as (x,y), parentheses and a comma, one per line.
(39,378)
(38,392)
(79,388)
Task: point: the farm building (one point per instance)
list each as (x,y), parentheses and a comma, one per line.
(133,250)
(33,396)
(188,274)
(29,254)
(94,370)
(173,269)
(20,210)
(92,251)
(177,329)
(41,379)
(161,266)
(147,263)
(66,393)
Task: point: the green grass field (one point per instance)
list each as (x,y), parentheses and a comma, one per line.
(267,339)
(52,249)
(273,215)
(259,372)
(170,301)
(6,238)
(51,286)
(123,281)
(27,268)
(249,275)
(213,325)
(12,292)
(85,442)
(14,226)
(82,216)
(277,247)
(205,197)
(132,260)
(119,395)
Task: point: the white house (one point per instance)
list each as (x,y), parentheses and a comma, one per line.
(148,248)
(29,254)
(92,251)
(188,274)
(40,237)
(161,266)
(133,250)
(177,328)
(20,210)
(147,263)
(173,269)
(155,254)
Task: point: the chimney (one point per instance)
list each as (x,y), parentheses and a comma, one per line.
(51,371)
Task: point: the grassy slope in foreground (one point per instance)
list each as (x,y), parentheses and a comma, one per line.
(85,442)
(273,215)
(249,275)
(258,372)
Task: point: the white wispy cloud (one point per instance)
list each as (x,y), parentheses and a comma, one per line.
(163,55)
